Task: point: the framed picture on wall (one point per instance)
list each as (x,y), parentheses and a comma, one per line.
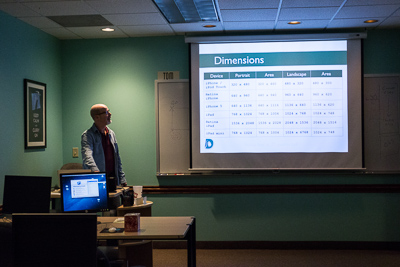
(35,114)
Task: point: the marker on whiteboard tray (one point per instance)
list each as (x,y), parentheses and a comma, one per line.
(179,174)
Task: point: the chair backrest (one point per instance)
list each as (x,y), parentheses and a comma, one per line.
(54,239)
(72,166)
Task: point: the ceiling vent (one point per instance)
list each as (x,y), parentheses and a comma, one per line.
(81,20)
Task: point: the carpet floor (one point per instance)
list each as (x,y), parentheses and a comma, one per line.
(281,258)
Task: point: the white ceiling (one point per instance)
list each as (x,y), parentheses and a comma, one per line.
(132,18)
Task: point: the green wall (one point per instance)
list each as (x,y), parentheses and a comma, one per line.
(28,53)
(121,74)
(381,52)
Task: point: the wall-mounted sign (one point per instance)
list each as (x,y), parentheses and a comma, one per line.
(35,114)
(168,75)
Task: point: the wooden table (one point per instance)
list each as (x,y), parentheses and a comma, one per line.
(143,209)
(155,228)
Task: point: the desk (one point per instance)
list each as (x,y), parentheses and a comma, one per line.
(143,209)
(156,228)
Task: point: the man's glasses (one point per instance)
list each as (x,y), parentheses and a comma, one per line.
(105,112)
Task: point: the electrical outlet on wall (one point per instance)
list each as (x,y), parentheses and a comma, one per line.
(75,152)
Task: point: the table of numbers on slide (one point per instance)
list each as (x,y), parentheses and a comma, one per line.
(273,103)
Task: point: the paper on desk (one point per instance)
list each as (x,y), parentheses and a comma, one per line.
(119,220)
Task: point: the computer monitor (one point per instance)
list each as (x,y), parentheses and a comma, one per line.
(26,194)
(54,239)
(84,192)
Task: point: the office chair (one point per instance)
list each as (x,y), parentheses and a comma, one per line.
(55,239)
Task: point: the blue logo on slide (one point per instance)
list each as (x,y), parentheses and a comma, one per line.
(209,143)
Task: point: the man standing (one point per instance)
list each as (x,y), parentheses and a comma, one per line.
(99,146)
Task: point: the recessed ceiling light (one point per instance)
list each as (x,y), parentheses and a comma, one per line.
(210,26)
(371,21)
(294,22)
(108,29)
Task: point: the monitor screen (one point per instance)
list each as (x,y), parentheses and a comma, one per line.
(26,194)
(84,192)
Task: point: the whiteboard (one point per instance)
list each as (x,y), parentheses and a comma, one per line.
(173,129)
(381,125)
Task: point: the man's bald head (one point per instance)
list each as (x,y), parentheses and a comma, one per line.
(101,116)
(97,109)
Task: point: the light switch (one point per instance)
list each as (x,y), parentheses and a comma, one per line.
(75,152)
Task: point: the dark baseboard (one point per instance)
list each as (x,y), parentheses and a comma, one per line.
(333,245)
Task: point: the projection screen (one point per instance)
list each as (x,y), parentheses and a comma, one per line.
(293,102)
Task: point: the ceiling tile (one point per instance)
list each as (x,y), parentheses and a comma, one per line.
(390,23)
(249,25)
(370,2)
(367,11)
(248,14)
(61,33)
(96,32)
(396,13)
(311,3)
(17,10)
(196,27)
(247,4)
(61,8)
(305,24)
(352,23)
(136,19)
(41,22)
(307,13)
(123,6)
(142,17)
(148,30)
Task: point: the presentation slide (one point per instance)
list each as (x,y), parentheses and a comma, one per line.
(277,97)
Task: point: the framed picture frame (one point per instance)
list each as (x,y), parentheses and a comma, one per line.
(35,114)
